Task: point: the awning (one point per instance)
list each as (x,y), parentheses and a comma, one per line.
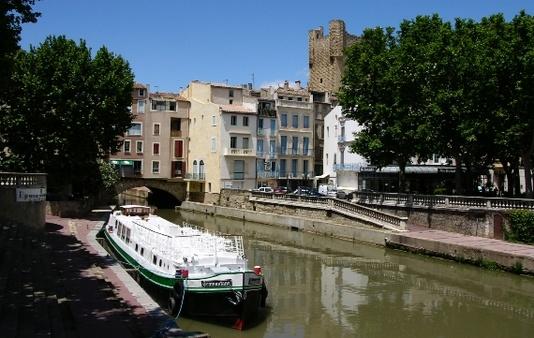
(321,176)
(121,162)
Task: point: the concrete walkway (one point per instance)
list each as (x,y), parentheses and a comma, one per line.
(478,250)
(58,283)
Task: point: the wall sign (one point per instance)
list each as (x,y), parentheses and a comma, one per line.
(31,194)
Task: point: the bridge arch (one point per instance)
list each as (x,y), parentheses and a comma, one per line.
(177,189)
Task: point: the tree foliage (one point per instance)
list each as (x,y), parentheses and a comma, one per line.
(463,91)
(13,13)
(69,110)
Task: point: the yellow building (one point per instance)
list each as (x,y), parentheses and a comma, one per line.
(222,137)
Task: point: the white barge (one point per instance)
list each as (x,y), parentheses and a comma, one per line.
(206,273)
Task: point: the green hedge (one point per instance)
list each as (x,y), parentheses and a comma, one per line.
(521,226)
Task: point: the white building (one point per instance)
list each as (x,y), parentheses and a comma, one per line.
(338,162)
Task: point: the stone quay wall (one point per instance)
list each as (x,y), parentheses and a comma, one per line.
(22,199)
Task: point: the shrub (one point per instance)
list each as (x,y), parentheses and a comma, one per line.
(521,226)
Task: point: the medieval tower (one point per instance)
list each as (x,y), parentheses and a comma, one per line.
(326,59)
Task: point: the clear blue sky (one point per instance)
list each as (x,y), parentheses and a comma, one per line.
(168,43)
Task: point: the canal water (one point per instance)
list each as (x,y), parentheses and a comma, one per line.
(324,287)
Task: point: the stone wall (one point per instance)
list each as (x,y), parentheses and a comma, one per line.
(474,222)
(326,61)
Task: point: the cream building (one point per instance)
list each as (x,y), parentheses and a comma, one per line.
(156,144)
(295,138)
(222,138)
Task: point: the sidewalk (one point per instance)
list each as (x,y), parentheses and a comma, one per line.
(56,284)
(478,250)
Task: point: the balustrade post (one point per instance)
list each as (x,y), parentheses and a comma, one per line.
(402,224)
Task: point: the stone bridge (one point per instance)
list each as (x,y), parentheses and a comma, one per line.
(176,188)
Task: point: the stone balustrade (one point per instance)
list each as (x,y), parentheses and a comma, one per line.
(374,216)
(447,201)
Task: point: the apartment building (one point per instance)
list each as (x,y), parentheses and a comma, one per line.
(289,131)
(222,137)
(156,143)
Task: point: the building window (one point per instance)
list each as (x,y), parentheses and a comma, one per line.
(135,130)
(213,144)
(139,147)
(295,145)
(233,142)
(259,147)
(245,121)
(213,120)
(239,170)
(283,145)
(245,143)
(295,121)
(172,105)
(260,123)
(273,125)
(233,120)
(305,145)
(327,131)
(127,145)
(230,101)
(299,98)
(155,167)
(156,129)
(159,105)
(305,167)
(178,148)
(294,166)
(140,107)
(283,120)
(306,122)
(283,168)
(141,92)
(155,148)
(231,93)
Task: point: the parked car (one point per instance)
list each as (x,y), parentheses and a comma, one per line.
(280,190)
(345,195)
(266,190)
(306,191)
(331,193)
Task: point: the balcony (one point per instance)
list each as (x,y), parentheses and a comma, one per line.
(266,112)
(341,139)
(239,152)
(195,176)
(176,133)
(261,132)
(284,174)
(294,104)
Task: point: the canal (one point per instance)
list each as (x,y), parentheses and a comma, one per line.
(324,287)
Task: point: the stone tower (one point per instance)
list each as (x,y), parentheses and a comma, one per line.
(326,60)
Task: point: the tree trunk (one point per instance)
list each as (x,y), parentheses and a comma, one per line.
(458,177)
(517,183)
(527,164)
(402,178)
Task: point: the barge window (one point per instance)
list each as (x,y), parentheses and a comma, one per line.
(154,259)
(128,232)
(136,247)
(142,251)
(160,262)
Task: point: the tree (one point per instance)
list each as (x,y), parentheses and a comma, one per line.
(13,13)
(68,111)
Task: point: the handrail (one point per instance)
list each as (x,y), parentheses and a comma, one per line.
(450,201)
(381,218)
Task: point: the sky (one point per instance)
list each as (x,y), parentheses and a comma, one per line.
(169,43)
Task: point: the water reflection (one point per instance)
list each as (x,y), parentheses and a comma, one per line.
(323,287)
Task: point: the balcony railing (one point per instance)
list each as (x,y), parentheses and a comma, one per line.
(296,152)
(341,138)
(176,133)
(285,174)
(261,132)
(349,167)
(195,176)
(295,104)
(239,152)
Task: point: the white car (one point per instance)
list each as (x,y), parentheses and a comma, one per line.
(268,190)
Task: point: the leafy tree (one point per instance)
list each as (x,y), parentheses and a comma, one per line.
(13,13)
(69,110)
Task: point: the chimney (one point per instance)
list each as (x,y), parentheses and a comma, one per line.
(286,84)
(298,84)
